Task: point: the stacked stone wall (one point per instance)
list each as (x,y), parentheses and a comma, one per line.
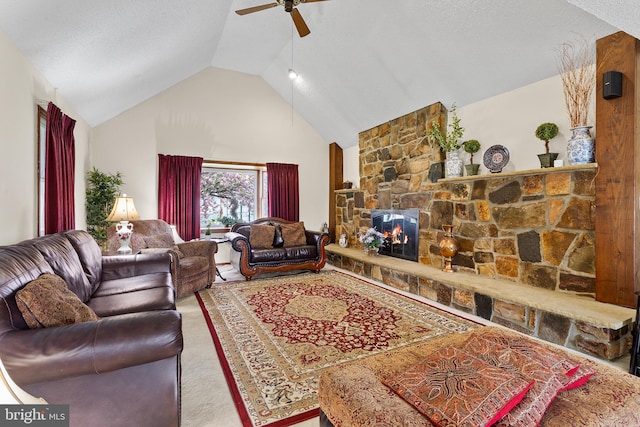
(534,228)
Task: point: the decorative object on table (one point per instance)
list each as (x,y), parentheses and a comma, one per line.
(449,143)
(448,248)
(372,239)
(546,132)
(102,189)
(207,232)
(324,228)
(495,158)
(471,146)
(576,62)
(123,211)
(581,146)
(436,171)
(343,241)
(347,185)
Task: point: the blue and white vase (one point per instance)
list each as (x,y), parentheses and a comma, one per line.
(453,165)
(582,147)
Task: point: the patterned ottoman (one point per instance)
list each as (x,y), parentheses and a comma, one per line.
(353,394)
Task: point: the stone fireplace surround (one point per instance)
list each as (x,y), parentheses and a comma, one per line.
(531,231)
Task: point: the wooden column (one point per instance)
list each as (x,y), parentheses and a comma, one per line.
(335,183)
(618,176)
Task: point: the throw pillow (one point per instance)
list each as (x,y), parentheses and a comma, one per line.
(572,374)
(261,236)
(278,241)
(47,302)
(548,383)
(293,234)
(452,387)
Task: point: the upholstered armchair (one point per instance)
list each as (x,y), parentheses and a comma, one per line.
(193,267)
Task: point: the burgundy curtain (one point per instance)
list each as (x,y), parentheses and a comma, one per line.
(284,201)
(59,179)
(179,193)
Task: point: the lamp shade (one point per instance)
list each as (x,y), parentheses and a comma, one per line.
(123,209)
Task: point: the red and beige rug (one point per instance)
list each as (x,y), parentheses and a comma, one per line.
(274,336)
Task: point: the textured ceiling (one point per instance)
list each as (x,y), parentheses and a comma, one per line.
(365,61)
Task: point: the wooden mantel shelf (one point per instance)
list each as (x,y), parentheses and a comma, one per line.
(586,166)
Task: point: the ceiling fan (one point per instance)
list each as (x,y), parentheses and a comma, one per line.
(289,6)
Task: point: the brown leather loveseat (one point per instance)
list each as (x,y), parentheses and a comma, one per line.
(121,368)
(275,245)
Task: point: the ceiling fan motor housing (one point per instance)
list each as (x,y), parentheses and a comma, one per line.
(288,5)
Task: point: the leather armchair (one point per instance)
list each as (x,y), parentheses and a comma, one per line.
(193,267)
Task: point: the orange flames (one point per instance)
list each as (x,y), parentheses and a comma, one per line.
(396,235)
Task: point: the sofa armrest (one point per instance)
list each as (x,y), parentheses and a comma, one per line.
(91,348)
(239,242)
(121,266)
(205,248)
(317,239)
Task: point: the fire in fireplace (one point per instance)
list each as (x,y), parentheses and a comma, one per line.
(401,230)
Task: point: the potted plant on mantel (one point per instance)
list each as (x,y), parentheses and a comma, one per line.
(448,142)
(471,146)
(546,132)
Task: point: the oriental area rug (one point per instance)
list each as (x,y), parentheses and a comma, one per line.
(274,336)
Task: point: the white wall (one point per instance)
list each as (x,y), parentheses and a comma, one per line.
(509,119)
(218,115)
(21,88)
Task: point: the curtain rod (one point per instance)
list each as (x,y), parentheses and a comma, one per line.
(223,162)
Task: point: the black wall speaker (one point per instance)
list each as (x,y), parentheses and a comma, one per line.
(612,84)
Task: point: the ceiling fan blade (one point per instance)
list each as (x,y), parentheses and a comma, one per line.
(256,8)
(301,26)
(310,1)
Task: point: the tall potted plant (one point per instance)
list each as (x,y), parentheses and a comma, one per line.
(577,71)
(471,146)
(102,189)
(546,132)
(449,143)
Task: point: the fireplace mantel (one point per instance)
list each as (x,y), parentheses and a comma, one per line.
(526,172)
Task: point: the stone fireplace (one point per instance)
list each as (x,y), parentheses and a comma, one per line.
(534,227)
(524,237)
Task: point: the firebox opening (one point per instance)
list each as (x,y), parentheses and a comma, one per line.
(401,231)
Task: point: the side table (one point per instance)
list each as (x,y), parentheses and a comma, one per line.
(219,240)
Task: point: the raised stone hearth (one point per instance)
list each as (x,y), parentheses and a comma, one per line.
(599,329)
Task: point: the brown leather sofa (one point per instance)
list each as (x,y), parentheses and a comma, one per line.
(122,369)
(195,268)
(279,256)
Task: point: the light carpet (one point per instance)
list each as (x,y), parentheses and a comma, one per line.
(274,336)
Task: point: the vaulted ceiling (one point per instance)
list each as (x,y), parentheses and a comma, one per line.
(365,61)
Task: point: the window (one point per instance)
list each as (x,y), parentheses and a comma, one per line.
(232,192)
(42,158)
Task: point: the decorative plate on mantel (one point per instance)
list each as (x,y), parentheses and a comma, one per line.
(495,158)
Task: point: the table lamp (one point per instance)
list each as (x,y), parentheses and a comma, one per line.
(123,211)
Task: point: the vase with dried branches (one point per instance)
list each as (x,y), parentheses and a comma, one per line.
(576,63)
